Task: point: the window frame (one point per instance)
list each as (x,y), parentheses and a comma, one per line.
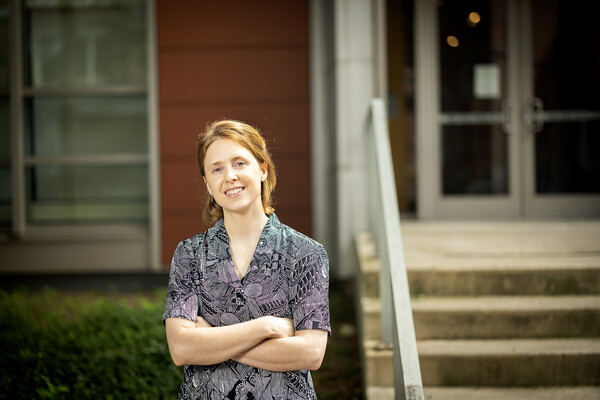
(20,228)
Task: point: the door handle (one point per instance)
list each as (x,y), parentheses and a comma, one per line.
(507,107)
(538,114)
(534,114)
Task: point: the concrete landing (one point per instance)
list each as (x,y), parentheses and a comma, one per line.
(510,244)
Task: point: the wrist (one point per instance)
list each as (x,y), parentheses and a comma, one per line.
(269,328)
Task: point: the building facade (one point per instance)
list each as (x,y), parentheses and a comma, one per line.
(492,114)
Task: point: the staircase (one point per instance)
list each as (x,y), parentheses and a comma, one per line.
(502,310)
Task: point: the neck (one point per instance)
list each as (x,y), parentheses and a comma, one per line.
(244,225)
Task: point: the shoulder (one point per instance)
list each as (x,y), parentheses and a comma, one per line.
(291,236)
(189,247)
(307,262)
(191,243)
(300,245)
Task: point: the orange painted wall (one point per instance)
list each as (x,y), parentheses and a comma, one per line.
(246,60)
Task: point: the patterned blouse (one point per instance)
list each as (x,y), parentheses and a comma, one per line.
(288,277)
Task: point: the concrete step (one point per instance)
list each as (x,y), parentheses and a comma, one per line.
(574,276)
(503,258)
(494,317)
(504,317)
(368,282)
(371,318)
(378,365)
(524,362)
(380,393)
(369,278)
(479,393)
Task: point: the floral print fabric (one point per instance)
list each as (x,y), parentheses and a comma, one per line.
(288,277)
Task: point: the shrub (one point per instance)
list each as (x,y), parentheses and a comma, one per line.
(56,345)
(84,346)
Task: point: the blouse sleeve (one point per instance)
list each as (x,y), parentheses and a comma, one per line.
(182,301)
(309,291)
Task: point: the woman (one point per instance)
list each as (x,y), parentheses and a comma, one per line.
(247,310)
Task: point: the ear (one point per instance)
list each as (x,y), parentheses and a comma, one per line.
(263,173)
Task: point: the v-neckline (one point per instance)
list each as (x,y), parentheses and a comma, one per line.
(231,264)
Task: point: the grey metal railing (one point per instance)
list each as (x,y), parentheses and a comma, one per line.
(396,314)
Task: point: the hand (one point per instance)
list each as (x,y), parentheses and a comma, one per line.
(201,323)
(279,327)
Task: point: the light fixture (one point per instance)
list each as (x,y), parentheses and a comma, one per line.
(452,41)
(473,19)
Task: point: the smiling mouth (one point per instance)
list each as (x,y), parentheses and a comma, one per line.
(231,192)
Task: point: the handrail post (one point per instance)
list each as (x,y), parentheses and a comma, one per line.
(397,322)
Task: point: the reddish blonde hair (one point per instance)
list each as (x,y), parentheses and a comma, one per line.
(251,139)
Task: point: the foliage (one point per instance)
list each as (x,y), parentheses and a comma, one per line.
(57,345)
(84,346)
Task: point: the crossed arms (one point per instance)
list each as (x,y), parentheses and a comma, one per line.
(268,343)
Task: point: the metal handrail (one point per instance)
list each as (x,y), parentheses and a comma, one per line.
(397,321)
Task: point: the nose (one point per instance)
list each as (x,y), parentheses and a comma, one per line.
(231,176)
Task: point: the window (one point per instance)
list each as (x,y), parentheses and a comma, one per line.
(5,181)
(82,101)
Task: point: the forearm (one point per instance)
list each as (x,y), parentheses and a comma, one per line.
(192,345)
(303,351)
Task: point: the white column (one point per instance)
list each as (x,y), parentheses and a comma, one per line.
(322,126)
(355,85)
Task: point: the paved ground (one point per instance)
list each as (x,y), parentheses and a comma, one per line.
(493,244)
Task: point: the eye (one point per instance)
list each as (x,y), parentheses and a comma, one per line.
(240,163)
(216,170)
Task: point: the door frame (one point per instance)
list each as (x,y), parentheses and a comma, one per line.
(521,200)
(431,202)
(548,206)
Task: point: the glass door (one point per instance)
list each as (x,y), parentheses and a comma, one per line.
(508,121)
(476,144)
(562,119)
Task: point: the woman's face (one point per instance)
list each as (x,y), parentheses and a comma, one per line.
(233,177)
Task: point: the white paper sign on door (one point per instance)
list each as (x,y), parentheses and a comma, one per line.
(486,81)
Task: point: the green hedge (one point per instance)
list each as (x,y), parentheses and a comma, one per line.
(56,345)
(84,346)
